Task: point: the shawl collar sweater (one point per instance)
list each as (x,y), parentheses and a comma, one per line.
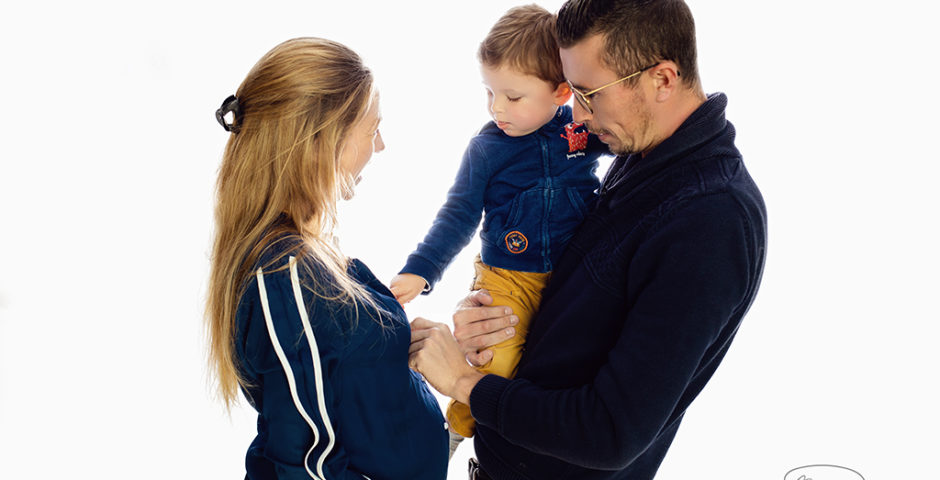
(639,313)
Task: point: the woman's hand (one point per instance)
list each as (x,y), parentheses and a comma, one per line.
(435,354)
(478,326)
(407,286)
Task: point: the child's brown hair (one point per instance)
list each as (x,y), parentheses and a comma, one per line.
(524,39)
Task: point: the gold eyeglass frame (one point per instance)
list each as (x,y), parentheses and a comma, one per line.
(584,98)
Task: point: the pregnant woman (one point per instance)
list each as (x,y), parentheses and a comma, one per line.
(318,346)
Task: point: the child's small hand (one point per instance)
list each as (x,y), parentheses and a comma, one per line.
(406,286)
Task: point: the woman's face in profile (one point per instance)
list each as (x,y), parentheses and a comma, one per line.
(362,141)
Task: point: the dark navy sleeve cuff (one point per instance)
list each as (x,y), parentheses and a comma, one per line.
(484,400)
(424,268)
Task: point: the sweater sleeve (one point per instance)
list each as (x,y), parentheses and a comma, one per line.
(296,356)
(456,221)
(688,284)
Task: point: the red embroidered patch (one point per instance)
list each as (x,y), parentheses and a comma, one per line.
(576,141)
(516,242)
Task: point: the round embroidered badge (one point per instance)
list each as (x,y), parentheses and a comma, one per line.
(516,242)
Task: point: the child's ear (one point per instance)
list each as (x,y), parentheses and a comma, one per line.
(562,93)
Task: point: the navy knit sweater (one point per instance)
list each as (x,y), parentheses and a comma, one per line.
(640,311)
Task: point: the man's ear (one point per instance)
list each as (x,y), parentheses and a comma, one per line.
(562,93)
(665,79)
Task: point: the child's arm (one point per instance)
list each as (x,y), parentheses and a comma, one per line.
(455,223)
(407,286)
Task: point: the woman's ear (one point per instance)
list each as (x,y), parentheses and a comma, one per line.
(562,93)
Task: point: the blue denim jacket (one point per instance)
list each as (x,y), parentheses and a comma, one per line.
(534,191)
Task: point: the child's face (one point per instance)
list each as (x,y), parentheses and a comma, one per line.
(520,104)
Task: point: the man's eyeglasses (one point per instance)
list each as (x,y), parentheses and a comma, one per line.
(584,98)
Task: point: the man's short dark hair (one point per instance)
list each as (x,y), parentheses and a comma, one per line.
(637,33)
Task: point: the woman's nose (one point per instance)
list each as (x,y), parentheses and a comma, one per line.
(379,143)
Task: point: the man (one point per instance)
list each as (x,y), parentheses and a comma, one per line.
(652,288)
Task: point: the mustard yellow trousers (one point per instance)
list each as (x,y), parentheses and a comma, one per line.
(520,290)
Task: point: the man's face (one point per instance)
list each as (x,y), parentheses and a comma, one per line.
(621,116)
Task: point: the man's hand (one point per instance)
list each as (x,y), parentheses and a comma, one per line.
(435,354)
(478,326)
(406,286)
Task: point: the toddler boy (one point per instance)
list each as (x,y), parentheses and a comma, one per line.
(531,170)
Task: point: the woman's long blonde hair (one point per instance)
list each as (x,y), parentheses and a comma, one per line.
(280,181)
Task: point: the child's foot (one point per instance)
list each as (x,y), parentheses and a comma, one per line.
(455,439)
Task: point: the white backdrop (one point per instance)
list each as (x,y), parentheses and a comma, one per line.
(109,151)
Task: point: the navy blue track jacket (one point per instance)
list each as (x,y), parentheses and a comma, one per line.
(334,395)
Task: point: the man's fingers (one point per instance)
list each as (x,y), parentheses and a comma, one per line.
(415,345)
(477,298)
(481,297)
(480,342)
(419,334)
(468,316)
(480,359)
(419,323)
(464,330)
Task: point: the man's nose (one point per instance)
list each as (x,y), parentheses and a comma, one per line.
(580,114)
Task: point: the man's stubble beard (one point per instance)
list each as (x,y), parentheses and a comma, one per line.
(644,120)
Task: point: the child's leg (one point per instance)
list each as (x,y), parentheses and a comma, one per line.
(522,291)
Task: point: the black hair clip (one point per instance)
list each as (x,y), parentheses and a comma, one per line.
(229,105)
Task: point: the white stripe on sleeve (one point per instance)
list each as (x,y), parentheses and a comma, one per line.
(292,383)
(317,369)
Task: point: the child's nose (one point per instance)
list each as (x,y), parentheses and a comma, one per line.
(496,106)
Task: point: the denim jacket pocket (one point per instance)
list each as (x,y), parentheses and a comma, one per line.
(522,231)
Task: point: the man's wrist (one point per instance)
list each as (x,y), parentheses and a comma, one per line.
(465,384)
